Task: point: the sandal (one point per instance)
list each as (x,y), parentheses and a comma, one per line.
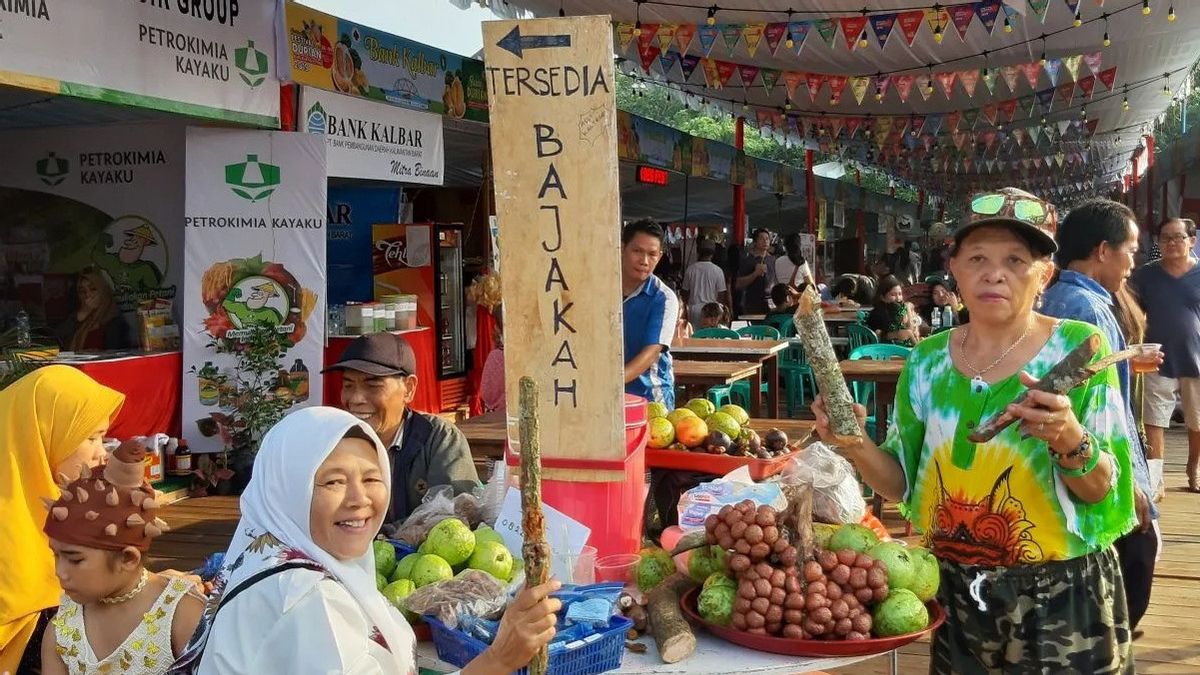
(1193,484)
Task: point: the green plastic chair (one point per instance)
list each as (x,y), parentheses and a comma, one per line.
(864,392)
(760,332)
(782,323)
(716,334)
(860,335)
(797,376)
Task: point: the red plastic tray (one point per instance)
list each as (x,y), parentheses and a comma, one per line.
(717,465)
(813,648)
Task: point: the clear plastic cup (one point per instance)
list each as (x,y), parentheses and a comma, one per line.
(618,567)
(1146,359)
(582,567)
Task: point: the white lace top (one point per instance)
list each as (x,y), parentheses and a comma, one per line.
(147,651)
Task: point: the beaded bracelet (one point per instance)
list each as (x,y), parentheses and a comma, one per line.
(1089,464)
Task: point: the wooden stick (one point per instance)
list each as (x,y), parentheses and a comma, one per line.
(672,633)
(810,326)
(535,550)
(1072,371)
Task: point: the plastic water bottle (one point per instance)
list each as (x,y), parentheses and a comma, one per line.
(935,319)
(24,341)
(947,317)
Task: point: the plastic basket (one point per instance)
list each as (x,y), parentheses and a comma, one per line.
(402,549)
(597,653)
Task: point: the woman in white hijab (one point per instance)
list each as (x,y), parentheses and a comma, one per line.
(302,569)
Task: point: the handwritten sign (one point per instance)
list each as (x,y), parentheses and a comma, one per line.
(553,115)
(565,535)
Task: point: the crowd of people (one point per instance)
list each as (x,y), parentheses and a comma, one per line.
(1046,533)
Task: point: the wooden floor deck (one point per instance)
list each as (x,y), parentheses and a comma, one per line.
(1171,644)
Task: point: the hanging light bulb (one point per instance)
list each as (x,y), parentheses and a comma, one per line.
(745,105)
(1171,13)
(637,29)
(937,34)
(561,11)
(1145,7)
(1008,28)
(788,104)
(712,15)
(862,40)
(1125,103)
(1107,42)
(1083,113)
(1043,122)
(1078,19)
(790,43)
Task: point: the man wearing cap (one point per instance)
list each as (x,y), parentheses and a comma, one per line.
(130,273)
(378,382)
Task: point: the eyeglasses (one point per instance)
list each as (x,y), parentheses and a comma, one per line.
(1026,210)
(1173,238)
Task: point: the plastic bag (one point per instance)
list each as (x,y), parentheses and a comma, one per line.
(493,493)
(707,498)
(471,593)
(837,494)
(438,505)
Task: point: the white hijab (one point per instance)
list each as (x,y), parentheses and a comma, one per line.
(274,526)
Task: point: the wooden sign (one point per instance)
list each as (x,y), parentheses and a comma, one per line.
(552,100)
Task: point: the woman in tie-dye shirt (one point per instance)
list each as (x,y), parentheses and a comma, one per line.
(1022,524)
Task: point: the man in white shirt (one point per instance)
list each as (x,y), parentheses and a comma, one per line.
(704,282)
(792,269)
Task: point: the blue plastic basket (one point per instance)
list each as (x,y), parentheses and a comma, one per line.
(402,549)
(597,653)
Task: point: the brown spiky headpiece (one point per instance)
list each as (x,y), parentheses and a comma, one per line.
(110,511)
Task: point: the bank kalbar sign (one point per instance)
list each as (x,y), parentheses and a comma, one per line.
(210,58)
(254,229)
(377,141)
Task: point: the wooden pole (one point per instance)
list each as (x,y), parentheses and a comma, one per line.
(534,549)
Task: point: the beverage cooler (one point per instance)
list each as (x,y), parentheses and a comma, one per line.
(425,260)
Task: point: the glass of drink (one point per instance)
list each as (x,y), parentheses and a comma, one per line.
(1146,358)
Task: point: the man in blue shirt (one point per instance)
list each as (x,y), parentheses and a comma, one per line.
(650,312)
(1097,242)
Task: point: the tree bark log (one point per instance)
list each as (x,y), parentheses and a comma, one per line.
(534,549)
(672,633)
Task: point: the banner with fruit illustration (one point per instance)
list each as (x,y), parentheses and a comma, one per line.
(349,58)
(213,59)
(254,256)
(376,141)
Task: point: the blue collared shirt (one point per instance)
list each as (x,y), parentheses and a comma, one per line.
(650,314)
(1078,296)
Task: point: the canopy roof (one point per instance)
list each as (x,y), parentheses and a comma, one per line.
(975,108)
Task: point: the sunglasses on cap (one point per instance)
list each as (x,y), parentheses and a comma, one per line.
(1030,211)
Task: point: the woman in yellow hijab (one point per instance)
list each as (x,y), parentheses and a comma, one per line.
(52,421)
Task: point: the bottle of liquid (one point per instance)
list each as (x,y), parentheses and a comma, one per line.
(947,316)
(24,339)
(299,381)
(210,393)
(183,459)
(935,319)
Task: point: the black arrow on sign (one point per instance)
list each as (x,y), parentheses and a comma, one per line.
(516,43)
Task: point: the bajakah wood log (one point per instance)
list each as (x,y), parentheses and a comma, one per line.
(839,406)
(672,633)
(534,548)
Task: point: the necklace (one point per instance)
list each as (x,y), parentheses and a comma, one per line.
(977,382)
(125,597)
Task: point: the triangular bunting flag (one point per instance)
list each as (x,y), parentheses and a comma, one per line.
(988,11)
(1045,98)
(962,15)
(666,35)
(1072,64)
(1052,68)
(1087,84)
(904,85)
(1063,125)
(989,111)
(1031,71)
(732,33)
(858,87)
(852,125)
(1026,104)
(814,82)
(837,84)
(916,124)
(952,120)
(748,73)
(1061,159)
(852,29)
(969,79)
(624,35)
(649,30)
(1011,73)
(1025,163)
(1066,92)
(883,127)
(1035,131)
(774,33)
(765,119)
(910,23)
(667,61)
(1019,135)
(922,83)
(725,71)
(770,77)
(792,80)
(1039,8)
(835,126)
(687,65)
(938,19)
(648,54)
(827,29)
(881,25)
(933,124)
(712,78)
(946,79)
(989,139)
(1091,126)
(1108,77)
(989,79)
(753,34)
(967,164)
(798,32)
(1037,162)
(1009,108)
(1093,61)
(708,36)
(684,33)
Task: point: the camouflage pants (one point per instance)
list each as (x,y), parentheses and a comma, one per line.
(1066,617)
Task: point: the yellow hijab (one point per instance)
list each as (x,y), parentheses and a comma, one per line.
(44,416)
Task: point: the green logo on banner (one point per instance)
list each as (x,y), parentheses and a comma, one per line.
(316,119)
(251,63)
(53,169)
(252,179)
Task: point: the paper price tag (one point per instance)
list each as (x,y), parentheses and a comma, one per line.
(565,535)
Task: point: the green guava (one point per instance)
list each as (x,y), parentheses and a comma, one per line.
(493,558)
(405,566)
(484,533)
(385,557)
(451,540)
(430,569)
(854,537)
(900,565)
(396,592)
(902,613)
(927,576)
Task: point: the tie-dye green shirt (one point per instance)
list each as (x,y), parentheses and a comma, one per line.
(1001,503)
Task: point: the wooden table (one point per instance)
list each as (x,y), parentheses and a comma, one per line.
(766,352)
(884,374)
(705,374)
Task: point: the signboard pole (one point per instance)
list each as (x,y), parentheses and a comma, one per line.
(553,138)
